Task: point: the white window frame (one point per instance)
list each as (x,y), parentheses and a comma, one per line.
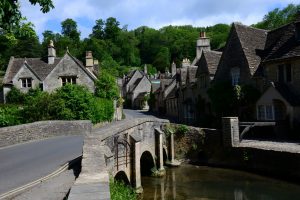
(265,116)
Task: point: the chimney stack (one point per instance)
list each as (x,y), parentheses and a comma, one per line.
(51,53)
(89,61)
(145,69)
(173,69)
(203,44)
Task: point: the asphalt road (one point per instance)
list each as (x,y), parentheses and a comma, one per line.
(24,163)
(130,114)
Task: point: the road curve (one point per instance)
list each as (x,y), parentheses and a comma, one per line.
(24,163)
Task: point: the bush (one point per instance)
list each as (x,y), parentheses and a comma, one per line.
(102,110)
(106,86)
(15,96)
(120,191)
(10,115)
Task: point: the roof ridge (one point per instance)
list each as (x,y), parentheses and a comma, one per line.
(250,27)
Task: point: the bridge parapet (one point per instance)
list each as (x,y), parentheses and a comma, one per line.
(118,148)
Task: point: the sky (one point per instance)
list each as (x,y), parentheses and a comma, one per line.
(152,13)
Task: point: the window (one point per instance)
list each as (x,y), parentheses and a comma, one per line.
(70,80)
(26,82)
(235,76)
(284,73)
(265,112)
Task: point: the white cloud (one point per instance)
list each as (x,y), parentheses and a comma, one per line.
(153,13)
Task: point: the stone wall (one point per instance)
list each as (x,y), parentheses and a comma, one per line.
(42,130)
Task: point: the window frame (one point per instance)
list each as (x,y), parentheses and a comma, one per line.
(26,82)
(235,76)
(68,80)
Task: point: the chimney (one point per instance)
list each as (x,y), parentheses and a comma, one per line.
(173,69)
(96,66)
(145,69)
(51,53)
(203,44)
(89,62)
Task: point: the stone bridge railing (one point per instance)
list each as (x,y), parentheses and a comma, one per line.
(117,149)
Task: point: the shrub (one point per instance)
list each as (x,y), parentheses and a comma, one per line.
(182,129)
(120,191)
(106,86)
(15,96)
(10,115)
(102,110)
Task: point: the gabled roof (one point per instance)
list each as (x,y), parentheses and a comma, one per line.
(39,66)
(212,59)
(251,40)
(191,74)
(282,44)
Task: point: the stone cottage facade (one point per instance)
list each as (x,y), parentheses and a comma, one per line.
(207,66)
(240,58)
(136,89)
(280,65)
(50,74)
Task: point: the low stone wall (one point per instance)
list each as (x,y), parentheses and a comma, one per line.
(42,130)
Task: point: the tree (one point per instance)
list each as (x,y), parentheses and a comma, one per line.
(98,29)
(277,17)
(10,13)
(106,86)
(162,59)
(69,29)
(111,29)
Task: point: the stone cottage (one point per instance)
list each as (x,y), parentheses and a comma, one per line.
(136,89)
(207,67)
(51,73)
(240,58)
(280,65)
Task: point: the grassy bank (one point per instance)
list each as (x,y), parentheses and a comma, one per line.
(120,191)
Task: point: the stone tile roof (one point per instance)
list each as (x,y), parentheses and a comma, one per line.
(251,39)
(155,87)
(173,94)
(191,74)
(40,67)
(282,44)
(212,59)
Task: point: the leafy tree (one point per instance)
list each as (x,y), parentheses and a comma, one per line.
(162,59)
(10,13)
(111,29)
(278,17)
(98,29)
(69,29)
(106,86)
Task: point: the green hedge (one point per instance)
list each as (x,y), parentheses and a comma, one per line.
(71,102)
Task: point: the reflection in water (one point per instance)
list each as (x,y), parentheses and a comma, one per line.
(204,183)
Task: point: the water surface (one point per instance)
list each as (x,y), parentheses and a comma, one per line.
(205,183)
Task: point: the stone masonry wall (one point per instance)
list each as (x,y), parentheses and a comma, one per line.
(42,130)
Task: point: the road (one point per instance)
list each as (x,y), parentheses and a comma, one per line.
(24,163)
(130,114)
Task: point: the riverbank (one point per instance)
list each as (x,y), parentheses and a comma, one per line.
(204,147)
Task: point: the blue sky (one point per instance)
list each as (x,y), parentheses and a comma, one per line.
(152,13)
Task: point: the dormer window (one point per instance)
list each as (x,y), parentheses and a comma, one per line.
(235,76)
(68,79)
(26,82)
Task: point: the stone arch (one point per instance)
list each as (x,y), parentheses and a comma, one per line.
(121,176)
(147,163)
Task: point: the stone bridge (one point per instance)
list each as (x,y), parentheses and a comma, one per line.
(124,150)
